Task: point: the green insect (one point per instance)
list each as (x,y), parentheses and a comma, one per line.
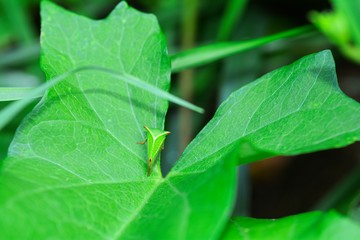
(155,138)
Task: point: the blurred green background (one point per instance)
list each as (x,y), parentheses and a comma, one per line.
(271,188)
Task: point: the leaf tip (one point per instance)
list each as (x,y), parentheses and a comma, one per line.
(47,6)
(118,10)
(326,53)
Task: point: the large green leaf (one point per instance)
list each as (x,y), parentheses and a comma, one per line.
(74,168)
(295,109)
(77,152)
(312,225)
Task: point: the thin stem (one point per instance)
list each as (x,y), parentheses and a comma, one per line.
(190,9)
(233,11)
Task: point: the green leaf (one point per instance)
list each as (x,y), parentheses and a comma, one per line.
(94,171)
(295,109)
(312,225)
(75,160)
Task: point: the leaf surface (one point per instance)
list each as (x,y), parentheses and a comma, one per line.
(296,109)
(75,170)
(74,166)
(312,225)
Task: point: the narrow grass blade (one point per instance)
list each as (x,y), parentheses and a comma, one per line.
(15,93)
(202,55)
(10,111)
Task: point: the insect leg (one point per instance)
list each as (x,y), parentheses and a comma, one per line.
(142,143)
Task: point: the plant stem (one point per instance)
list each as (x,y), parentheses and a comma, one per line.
(189,28)
(234,10)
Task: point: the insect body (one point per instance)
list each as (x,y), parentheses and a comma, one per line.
(155,139)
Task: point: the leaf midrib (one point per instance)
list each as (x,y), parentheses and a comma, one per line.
(244,135)
(254,131)
(138,209)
